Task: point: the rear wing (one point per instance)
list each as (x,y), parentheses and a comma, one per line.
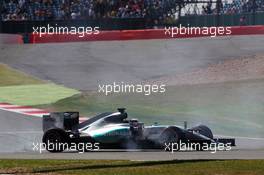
(62,120)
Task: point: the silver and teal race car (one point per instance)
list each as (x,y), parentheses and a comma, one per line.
(113,130)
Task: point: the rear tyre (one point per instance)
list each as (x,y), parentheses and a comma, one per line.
(55,141)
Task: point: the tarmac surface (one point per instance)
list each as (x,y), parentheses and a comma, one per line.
(18,132)
(142,156)
(84,65)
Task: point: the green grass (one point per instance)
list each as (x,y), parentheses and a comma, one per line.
(34,94)
(22,89)
(228,108)
(105,167)
(9,77)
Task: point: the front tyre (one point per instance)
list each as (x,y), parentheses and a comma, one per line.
(204,130)
(168,136)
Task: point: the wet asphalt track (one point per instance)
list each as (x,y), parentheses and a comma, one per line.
(82,66)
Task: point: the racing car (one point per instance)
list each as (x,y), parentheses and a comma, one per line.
(112,130)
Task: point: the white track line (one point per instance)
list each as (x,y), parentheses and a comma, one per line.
(239,137)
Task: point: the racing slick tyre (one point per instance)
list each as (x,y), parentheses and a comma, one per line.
(204,130)
(169,136)
(55,141)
